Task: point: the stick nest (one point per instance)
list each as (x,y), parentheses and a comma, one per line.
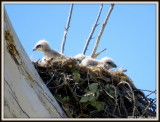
(94,92)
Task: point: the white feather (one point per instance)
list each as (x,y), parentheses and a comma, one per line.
(45,48)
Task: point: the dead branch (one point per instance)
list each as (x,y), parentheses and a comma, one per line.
(101,32)
(97,54)
(92,31)
(66,29)
(124,82)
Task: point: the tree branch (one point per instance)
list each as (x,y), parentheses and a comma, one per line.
(101,32)
(97,54)
(66,29)
(92,31)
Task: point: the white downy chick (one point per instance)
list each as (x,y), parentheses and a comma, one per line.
(90,61)
(108,62)
(43,46)
(81,57)
(104,62)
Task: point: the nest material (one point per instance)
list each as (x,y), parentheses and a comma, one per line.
(94,92)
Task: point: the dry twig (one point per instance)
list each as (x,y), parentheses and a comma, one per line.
(66,29)
(133,96)
(93,55)
(93,29)
(97,54)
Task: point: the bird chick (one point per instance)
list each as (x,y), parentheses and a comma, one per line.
(90,62)
(104,62)
(108,62)
(44,59)
(80,57)
(43,46)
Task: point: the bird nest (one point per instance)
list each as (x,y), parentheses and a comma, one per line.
(94,92)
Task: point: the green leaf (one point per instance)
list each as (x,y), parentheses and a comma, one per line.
(91,97)
(59,97)
(76,76)
(66,99)
(88,96)
(91,94)
(97,94)
(84,99)
(93,87)
(98,105)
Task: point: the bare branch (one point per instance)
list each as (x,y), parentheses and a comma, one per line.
(101,31)
(92,31)
(66,29)
(97,54)
(133,96)
(151,93)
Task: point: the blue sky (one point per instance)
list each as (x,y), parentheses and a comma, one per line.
(129,36)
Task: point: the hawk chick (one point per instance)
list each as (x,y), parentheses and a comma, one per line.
(105,62)
(43,46)
(81,57)
(109,62)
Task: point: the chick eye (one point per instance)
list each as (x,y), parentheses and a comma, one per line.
(109,63)
(38,46)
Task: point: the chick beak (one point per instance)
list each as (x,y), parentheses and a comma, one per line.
(34,49)
(115,66)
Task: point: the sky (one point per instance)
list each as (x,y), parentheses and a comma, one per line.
(129,36)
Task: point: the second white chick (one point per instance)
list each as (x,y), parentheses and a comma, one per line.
(81,57)
(105,62)
(43,46)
